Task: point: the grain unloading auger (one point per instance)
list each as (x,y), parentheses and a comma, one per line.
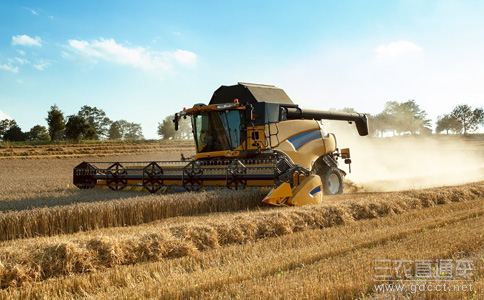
(248,136)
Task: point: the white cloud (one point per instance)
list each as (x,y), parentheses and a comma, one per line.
(25,40)
(66,55)
(137,57)
(21,52)
(13,64)
(41,65)
(184,57)
(4,116)
(9,67)
(34,12)
(397,49)
(21,60)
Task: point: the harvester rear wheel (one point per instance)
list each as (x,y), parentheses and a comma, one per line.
(331,177)
(332,181)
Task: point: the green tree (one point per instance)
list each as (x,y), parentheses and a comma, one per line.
(133,131)
(467,117)
(78,128)
(479,116)
(114,132)
(38,133)
(97,119)
(406,117)
(448,123)
(5,125)
(55,121)
(125,130)
(15,134)
(379,124)
(166,129)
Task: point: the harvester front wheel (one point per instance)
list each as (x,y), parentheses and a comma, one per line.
(332,181)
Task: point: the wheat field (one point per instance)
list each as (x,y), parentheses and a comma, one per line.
(57,242)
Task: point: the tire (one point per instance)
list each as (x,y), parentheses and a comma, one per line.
(332,181)
(331,177)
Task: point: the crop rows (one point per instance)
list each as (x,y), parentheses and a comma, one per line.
(131,211)
(329,263)
(31,261)
(72,218)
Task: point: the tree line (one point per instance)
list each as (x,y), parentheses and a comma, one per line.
(90,123)
(462,119)
(408,118)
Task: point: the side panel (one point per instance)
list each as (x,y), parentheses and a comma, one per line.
(302,140)
(290,128)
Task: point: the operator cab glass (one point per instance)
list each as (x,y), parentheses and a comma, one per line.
(217,130)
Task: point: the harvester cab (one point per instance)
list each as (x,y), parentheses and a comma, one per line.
(247,136)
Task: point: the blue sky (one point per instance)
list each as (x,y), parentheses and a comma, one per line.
(143,60)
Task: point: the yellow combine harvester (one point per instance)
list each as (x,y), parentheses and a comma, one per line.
(248,136)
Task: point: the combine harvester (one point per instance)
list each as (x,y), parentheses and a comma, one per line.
(248,136)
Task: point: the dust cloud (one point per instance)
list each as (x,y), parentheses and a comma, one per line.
(408,162)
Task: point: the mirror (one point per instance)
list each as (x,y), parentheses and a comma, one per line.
(175,120)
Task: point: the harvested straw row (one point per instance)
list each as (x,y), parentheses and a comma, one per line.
(72,218)
(134,211)
(34,261)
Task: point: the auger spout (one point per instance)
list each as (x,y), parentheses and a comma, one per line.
(360,120)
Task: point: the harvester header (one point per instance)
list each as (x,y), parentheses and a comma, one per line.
(247,136)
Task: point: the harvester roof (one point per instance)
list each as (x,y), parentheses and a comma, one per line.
(250,93)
